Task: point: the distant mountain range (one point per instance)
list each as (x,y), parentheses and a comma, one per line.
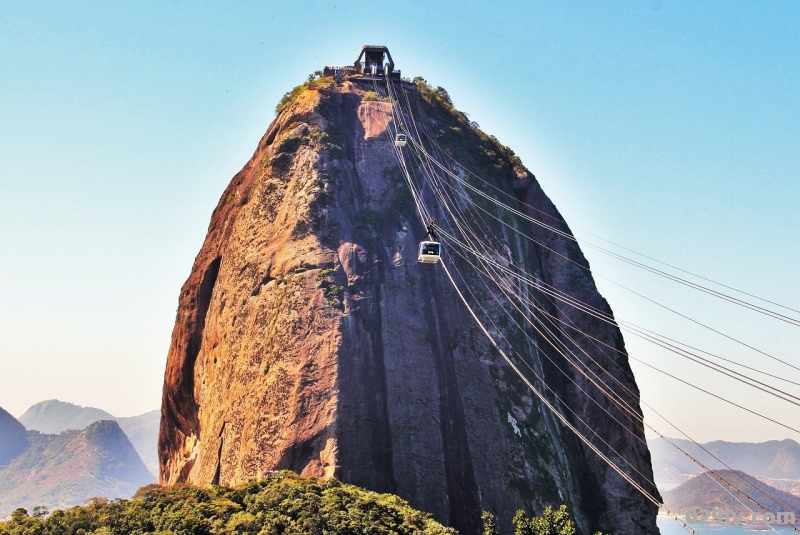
(774,461)
(68,468)
(705,491)
(13,438)
(54,416)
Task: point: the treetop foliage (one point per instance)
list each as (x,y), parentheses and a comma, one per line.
(282,504)
(550,523)
(458,122)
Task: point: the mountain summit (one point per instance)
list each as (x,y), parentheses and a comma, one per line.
(54,416)
(69,468)
(309,338)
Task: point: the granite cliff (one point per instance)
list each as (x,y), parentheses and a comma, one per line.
(308,338)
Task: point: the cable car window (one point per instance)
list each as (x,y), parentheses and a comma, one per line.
(430,248)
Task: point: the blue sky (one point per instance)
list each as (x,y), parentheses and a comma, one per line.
(669,127)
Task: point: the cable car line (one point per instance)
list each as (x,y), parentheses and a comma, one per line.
(433,141)
(639,294)
(700,464)
(598,385)
(769,389)
(423,205)
(421,210)
(697,322)
(652,338)
(745,304)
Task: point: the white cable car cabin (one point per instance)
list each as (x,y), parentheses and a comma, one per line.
(430,249)
(429,252)
(400,140)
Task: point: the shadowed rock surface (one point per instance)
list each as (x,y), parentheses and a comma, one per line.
(307,337)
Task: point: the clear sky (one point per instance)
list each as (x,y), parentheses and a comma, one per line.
(670,127)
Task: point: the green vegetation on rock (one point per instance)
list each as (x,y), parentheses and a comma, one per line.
(284,503)
(455,131)
(372,95)
(552,522)
(314,80)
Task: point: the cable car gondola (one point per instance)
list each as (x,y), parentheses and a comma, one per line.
(400,140)
(429,249)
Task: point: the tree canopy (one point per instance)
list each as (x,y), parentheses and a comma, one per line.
(282,504)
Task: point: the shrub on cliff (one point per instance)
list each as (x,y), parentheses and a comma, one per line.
(372,95)
(314,81)
(552,522)
(284,503)
(454,131)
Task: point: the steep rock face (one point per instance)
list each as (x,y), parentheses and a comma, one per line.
(12,437)
(307,336)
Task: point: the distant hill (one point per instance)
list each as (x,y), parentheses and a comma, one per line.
(54,416)
(142,431)
(12,437)
(775,459)
(705,491)
(67,469)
